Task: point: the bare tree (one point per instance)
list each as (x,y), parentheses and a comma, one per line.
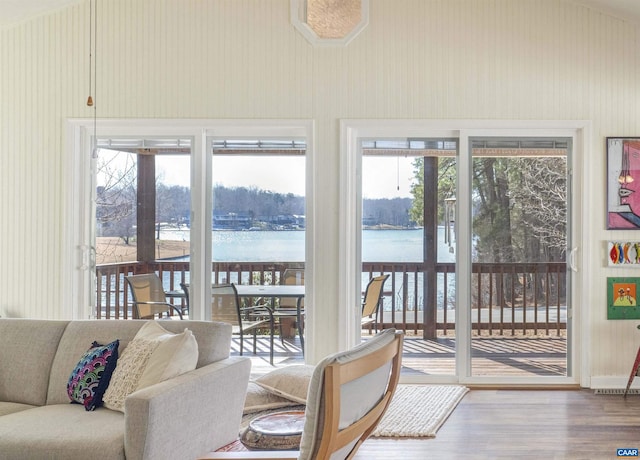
(116,197)
(541,202)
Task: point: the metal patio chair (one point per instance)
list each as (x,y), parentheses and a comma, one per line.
(149,298)
(372,300)
(225,307)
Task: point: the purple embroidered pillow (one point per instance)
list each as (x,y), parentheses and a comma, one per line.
(90,378)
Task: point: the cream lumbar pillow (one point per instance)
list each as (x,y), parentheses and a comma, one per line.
(154,355)
(126,376)
(290,382)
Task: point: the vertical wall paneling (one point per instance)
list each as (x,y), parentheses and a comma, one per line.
(416,59)
(4,164)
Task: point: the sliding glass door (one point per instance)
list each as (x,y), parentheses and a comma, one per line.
(520,240)
(142,217)
(408,233)
(259,226)
(143,194)
(488,297)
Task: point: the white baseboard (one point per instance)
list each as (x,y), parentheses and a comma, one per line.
(613,382)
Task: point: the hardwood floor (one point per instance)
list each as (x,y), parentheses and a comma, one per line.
(505,424)
(530,424)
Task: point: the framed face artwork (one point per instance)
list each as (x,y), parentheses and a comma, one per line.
(623,183)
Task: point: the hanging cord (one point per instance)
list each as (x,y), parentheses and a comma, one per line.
(93,72)
(90,99)
(95,80)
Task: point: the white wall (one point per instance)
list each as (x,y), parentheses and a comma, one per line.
(430,59)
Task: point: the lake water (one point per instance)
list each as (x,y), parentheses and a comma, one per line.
(288,246)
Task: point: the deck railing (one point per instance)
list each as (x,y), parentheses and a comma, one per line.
(509,298)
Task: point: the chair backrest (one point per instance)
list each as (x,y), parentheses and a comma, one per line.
(146,287)
(185,289)
(372,295)
(292,276)
(225,304)
(348,395)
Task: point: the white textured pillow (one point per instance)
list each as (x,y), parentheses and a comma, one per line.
(290,382)
(174,356)
(154,331)
(129,369)
(259,399)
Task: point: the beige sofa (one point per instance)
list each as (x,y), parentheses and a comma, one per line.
(180,418)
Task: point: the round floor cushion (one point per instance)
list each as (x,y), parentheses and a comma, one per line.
(276,431)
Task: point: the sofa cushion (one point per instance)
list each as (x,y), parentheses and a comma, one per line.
(90,378)
(62,432)
(26,356)
(10,407)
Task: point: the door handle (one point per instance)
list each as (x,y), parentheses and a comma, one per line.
(572,259)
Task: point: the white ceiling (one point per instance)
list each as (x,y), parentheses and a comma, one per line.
(12,11)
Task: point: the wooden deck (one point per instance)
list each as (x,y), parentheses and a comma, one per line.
(499,356)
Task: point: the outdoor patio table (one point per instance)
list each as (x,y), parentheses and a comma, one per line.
(272,291)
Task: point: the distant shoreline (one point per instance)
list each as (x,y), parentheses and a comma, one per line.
(388,227)
(175,244)
(111,250)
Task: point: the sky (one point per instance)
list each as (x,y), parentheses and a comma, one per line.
(383,177)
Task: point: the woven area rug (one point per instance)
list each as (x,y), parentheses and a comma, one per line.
(417,411)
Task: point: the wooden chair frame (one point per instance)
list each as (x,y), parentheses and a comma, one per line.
(336,374)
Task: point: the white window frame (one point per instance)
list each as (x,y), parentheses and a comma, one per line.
(353,130)
(78,264)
